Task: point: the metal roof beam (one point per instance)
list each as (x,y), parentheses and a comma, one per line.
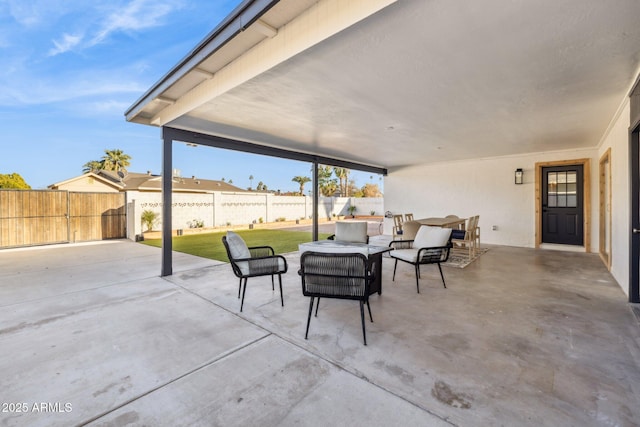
(249,147)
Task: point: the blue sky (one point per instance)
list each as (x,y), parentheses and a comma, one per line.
(70,68)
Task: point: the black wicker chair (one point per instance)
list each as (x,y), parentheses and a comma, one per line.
(421,253)
(261,261)
(336,275)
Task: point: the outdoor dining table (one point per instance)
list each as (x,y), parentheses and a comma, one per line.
(372,252)
(443,222)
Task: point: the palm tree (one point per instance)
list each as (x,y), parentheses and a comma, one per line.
(326,184)
(116,160)
(301,180)
(92,166)
(250,181)
(343,176)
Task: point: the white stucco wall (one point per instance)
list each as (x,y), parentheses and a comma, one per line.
(482,187)
(618,140)
(485,187)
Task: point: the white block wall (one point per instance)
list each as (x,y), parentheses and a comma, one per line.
(220,209)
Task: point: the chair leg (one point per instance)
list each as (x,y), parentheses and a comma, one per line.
(442,275)
(394,270)
(244,289)
(239,288)
(273,285)
(280,282)
(369,307)
(418,277)
(309,318)
(317,306)
(364,333)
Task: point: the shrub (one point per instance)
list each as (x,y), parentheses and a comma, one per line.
(196,223)
(148,218)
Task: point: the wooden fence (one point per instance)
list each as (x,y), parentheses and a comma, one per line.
(40,217)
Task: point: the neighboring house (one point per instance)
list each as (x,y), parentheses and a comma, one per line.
(194,202)
(110,181)
(89,182)
(211,202)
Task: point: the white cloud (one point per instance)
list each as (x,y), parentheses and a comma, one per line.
(67,43)
(106,107)
(108,18)
(35,13)
(136,16)
(25,90)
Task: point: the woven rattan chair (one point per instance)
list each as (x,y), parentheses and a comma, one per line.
(253,262)
(336,275)
(430,246)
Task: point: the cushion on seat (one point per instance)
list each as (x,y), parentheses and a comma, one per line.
(244,267)
(237,246)
(264,266)
(409,255)
(352,231)
(458,234)
(431,237)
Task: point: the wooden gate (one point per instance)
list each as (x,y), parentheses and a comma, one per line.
(40,217)
(96,216)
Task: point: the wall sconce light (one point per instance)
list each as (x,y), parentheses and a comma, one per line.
(519,176)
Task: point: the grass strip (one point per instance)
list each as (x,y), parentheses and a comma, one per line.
(209,245)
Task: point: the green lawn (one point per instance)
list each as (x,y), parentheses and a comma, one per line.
(209,245)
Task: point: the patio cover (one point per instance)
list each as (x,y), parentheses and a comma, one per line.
(389,83)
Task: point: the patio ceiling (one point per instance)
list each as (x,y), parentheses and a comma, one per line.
(410,81)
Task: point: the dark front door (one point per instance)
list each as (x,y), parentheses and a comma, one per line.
(562,210)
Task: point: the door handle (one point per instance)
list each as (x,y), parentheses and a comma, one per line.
(636,231)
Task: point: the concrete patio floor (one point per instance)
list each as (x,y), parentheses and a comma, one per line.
(89,334)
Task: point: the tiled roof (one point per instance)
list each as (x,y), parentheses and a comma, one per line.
(151,182)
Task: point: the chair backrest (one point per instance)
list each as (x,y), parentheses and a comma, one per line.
(452,216)
(237,249)
(472,224)
(408,217)
(433,237)
(235,246)
(410,229)
(337,275)
(351,231)
(397,221)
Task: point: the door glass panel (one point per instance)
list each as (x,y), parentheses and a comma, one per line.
(562,177)
(562,189)
(552,186)
(572,189)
